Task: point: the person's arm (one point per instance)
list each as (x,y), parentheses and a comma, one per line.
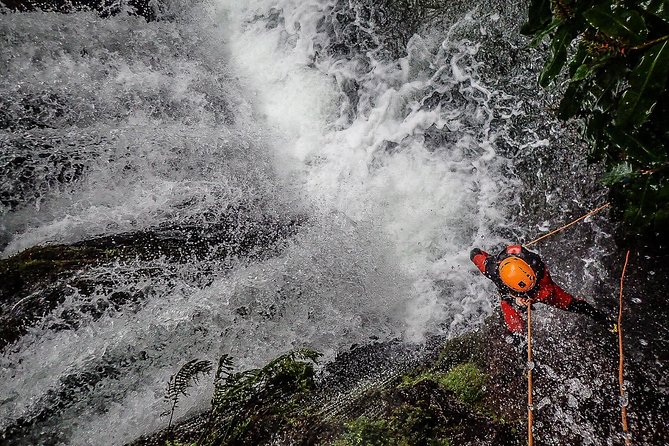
(551,294)
(559,298)
(513,320)
(580,306)
(479,257)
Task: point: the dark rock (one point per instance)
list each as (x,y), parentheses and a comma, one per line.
(105,8)
(34,282)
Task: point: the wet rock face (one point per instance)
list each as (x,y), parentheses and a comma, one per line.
(35,282)
(33,166)
(104,7)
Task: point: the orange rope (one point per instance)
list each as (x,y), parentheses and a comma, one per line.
(530,366)
(623,396)
(594,211)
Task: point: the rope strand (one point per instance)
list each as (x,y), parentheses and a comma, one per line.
(530,366)
(561,228)
(623,395)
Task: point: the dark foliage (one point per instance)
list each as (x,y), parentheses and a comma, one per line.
(180,382)
(615,56)
(255,403)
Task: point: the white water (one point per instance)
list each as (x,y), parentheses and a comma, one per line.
(384,251)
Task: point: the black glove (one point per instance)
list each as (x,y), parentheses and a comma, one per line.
(582,307)
(474,252)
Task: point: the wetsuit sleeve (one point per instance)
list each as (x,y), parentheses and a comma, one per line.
(513,320)
(551,294)
(479,257)
(582,307)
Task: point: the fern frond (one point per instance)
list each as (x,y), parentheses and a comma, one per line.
(186,377)
(180,382)
(223,373)
(301,354)
(306,354)
(225,366)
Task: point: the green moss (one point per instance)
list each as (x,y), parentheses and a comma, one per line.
(467,381)
(408,426)
(366,432)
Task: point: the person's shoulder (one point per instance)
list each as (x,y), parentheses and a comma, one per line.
(534,259)
(528,253)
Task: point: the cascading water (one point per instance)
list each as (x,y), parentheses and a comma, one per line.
(116,125)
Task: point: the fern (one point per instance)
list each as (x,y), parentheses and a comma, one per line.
(223,371)
(241,398)
(180,382)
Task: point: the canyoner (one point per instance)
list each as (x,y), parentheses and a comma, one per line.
(521,275)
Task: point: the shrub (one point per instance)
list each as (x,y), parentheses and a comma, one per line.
(615,55)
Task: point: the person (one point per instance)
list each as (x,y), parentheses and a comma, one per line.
(521,274)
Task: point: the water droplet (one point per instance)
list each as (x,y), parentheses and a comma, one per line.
(623,400)
(530,365)
(544,401)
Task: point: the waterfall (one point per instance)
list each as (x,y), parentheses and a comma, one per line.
(264,111)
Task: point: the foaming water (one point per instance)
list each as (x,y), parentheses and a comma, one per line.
(433,199)
(139,122)
(230,106)
(304,297)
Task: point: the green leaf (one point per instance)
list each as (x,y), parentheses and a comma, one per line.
(578,60)
(632,146)
(561,41)
(620,173)
(539,16)
(607,76)
(539,36)
(572,101)
(595,124)
(647,81)
(581,73)
(659,8)
(618,23)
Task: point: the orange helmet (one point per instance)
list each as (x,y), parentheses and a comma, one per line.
(517,274)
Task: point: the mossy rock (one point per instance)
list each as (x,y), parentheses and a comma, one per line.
(36,281)
(364,431)
(467,381)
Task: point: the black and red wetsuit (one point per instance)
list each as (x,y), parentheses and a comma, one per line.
(545,290)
